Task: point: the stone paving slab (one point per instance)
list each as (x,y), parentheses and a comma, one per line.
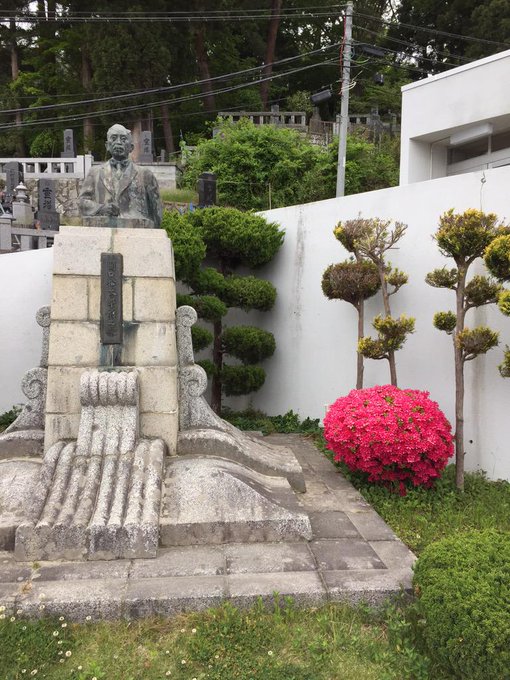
(353,556)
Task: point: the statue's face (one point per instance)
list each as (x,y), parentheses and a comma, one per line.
(119,143)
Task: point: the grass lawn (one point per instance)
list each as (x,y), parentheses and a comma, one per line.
(333,642)
(179,196)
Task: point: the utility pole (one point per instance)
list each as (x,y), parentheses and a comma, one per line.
(344,109)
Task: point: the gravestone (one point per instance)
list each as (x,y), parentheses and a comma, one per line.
(146,147)
(13,177)
(47,216)
(69,148)
(207,189)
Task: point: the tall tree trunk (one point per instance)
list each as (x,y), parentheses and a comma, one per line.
(361,333)
(459,382)
(167,128)
(218,364)
(20,142)
(86,81)
(203,66)
(274,23)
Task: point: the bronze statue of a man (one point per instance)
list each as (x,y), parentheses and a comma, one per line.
(124,193)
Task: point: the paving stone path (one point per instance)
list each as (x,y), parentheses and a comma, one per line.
(354,556)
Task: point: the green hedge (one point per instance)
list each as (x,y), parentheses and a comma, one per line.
(463,587)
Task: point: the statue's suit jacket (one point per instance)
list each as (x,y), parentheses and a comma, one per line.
(137,194)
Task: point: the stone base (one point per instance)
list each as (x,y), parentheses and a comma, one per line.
(22,444)
(239,447)
(211,501)
(17,481)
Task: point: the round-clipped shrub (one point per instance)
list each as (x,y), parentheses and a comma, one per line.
(200,338)
(497,257)
(237,380)
(395,437)
(208,307)
(188,245)
(248,292)
(351,281)
(248,343)
(463,588)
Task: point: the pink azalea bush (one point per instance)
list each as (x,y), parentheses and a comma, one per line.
(396,437)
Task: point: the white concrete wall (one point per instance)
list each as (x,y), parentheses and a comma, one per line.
(435,107)
(25,286)
(315,359)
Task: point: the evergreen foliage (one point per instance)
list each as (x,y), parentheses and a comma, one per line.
(463,586)
(226,238)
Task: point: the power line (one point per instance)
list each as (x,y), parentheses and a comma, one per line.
(434,31)
(136,107)
(170,88)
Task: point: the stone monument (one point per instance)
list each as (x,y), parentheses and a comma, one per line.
(133,456)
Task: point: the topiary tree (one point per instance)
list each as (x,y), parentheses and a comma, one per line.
(497,261)
(353,282)
(464,237)
(226,238)
(371,239)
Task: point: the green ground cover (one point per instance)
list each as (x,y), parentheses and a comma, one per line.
(179,196)
(278,642)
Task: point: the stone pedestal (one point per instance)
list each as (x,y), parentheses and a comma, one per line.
(148,326)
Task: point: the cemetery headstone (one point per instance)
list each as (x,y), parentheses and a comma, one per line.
(207,189)
(13,177)
(146,147)
(69,148)
(47,216)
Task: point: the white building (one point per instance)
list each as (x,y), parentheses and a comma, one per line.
(315,360)
(457,121)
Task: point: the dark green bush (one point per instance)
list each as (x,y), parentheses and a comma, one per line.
(236,380)
(208,367)
(188,245)
(248,343)
(463,587)
(207,307)
(248,292)
(200,338)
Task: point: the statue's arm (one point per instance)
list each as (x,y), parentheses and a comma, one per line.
(88,200)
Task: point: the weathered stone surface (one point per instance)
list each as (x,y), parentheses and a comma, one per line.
(75,250)
(332,524)
(17,481)
(217,501)
(371,526)
(74,343)
(98,497)
(69,298)
(305,588)
(275,557)
(24,437)
(202,432)
(147,252)
(94,298)
(149,344)
(372,586)
(193,560)
(158,389)
(154,299)
(345,553)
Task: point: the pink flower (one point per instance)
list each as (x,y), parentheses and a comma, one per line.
(394,436)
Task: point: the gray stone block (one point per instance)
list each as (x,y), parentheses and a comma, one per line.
(82,571)
(371,526)
(370,586)
(305,588)
(273,557)
(75,599)
(170,596)
(345,553)
(181,561)
(212,500)
(332,524)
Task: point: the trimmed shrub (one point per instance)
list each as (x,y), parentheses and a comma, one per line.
(200,338)
(237,380)
(463,587)
(248,343)
(394,437)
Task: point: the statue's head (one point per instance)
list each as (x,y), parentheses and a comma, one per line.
(119,142)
